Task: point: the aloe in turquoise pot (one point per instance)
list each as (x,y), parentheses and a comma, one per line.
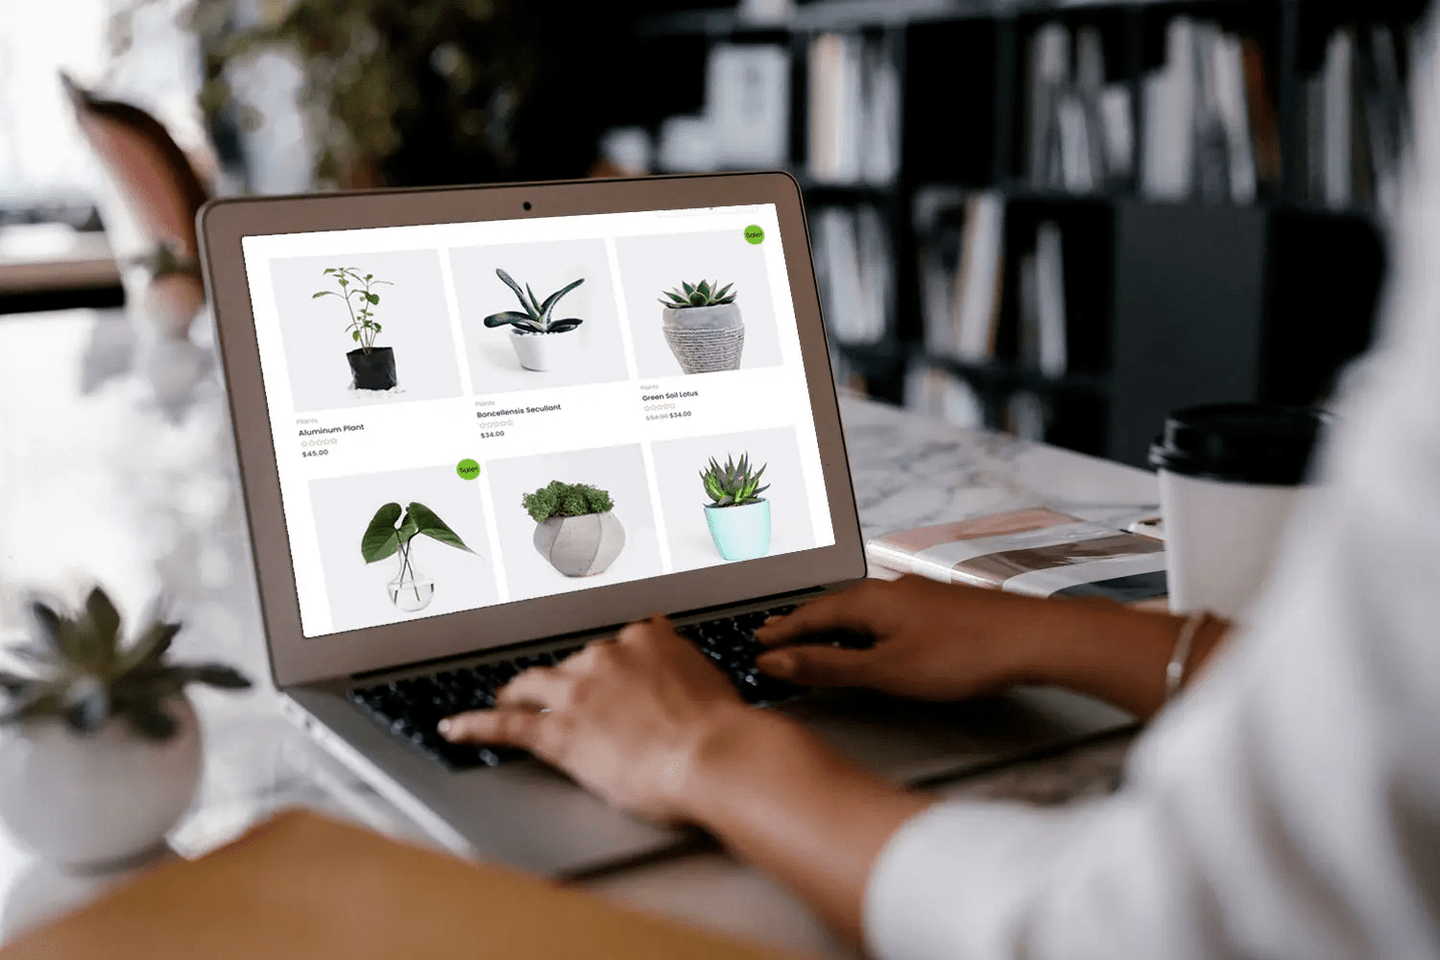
(738,516)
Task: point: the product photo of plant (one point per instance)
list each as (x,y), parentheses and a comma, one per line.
(100,747)
(392,531)
(576,529)
(738,517)
(702,324)
(373,367)
(540,343)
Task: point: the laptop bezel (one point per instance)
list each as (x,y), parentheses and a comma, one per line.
(297,659)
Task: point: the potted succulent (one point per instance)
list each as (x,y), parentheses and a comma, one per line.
(540,343)
(393,531)
(739,518)
(702,324)
(372,366)
(100,750)
(575,527)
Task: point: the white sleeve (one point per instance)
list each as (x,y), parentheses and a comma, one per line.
(1289,804)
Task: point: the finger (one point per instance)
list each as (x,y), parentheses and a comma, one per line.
(820,666)
(505,727)
(539,687)
(846,610)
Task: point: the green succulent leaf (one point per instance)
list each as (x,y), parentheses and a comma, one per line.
(569,323)
(381,538)
(149,648)
(519,293)
(153,723)
(734,484)
(554,298)
(506,316)
(213,675)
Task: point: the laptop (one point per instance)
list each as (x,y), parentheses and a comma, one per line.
(478,427)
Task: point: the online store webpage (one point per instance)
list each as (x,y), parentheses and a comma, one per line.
(473,414)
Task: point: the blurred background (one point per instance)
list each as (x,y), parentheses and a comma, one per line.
(1057,218)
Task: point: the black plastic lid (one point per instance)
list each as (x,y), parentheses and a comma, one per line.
(1240,442)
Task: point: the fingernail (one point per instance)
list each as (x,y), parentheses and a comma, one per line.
(778,666)
(444,727)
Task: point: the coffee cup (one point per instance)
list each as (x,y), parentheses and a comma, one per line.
(1230,475)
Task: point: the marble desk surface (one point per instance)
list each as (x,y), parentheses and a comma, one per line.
(116,466)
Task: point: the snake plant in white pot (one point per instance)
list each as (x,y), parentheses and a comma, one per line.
(100,751)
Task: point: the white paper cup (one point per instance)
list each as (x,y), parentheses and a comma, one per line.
(1230,475)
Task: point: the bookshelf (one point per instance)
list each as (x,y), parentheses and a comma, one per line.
(1247,268)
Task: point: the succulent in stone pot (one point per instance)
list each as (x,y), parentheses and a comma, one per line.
(703,327)
(576,529)
(100,750)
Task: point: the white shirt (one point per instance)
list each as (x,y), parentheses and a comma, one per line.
(1288,805)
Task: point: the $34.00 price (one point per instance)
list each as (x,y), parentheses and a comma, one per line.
(491,433)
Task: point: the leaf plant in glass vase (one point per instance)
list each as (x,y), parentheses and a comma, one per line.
(392,531)
(100,747)
(576,529)
(702,324)
(540,343)
(373,367)
(738,517)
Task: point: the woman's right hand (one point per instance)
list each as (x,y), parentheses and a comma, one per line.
(940,641)
(934,641)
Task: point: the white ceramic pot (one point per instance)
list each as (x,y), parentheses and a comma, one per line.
(581,546)
(545,351)
(97,801)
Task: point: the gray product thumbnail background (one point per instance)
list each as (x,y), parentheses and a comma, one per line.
(620,470)
(546,267)
(343,507)
(651,265)
(412,313)
(682,496)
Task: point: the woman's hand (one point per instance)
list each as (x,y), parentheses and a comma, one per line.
(626,718)
(940,641)
(934,641)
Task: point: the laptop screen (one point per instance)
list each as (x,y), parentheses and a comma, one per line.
(471,414)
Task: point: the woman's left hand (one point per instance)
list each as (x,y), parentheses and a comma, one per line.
(626,718)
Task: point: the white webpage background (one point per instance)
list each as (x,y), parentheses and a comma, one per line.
(444,432)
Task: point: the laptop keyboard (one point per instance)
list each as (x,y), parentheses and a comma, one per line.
(412,708)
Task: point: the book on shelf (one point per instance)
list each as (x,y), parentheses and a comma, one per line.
(854,267)
(1053,352)
(1354,125)
(1036,551)
(747,100)
(1079,129)
(1209,124)
(975,304)
(854,110)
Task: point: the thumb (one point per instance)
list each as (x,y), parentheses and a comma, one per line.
(818,665)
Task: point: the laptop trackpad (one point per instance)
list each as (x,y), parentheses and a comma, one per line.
(909,742)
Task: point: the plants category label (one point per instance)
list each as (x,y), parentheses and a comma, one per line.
(473,414)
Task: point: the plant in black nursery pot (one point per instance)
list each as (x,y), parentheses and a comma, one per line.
(373,367)
(393,531)
(540,343)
